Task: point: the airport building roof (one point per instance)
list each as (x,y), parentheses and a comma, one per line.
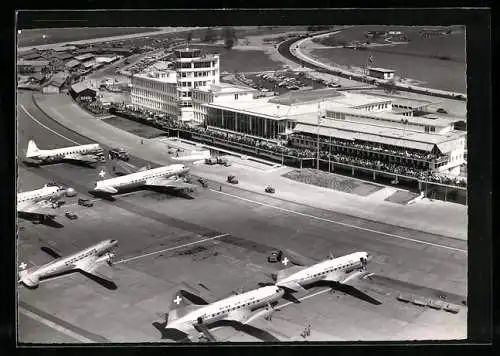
(81,86)
(65,48)
(297,103)
(388,116)
(40,63)
(380,134)
(225,88)
(381,70)
(71,64)
(83,57)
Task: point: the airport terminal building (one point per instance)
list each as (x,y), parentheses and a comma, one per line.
(359,125)
(170,91)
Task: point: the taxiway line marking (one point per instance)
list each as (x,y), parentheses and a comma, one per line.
(303,298)
(46,127)
(340,223)
(171,248)
(54,326)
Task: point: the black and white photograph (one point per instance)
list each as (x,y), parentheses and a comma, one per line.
(227,184)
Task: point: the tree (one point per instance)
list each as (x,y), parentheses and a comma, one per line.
(189,37)
(230,38)
(210,35)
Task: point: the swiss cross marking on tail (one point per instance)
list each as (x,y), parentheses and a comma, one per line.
(177,300)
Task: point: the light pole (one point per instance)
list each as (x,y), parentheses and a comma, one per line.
(317,146)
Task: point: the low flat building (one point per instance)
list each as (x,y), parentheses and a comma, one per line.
(73,64)
(84,57)
(218,94)
(24,65)
(83,91)
(381,73)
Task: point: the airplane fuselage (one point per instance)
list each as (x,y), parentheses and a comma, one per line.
(320,271)
(61,153)
(220,309)
(38,195)
(138,179)
(64,264)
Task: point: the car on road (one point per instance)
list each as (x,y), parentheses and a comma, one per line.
(70,215)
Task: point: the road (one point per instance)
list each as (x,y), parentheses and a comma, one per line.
(230,233)
(284,49)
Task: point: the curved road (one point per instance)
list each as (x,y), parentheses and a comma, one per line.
(267,222)
(284,50)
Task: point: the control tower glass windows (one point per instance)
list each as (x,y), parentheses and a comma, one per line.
(186,65)
(202,64)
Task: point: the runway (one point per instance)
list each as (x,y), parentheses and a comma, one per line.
(222,239)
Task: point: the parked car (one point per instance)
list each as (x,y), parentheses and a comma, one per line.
(119,153)
(270,189)
(85,202)
(58,204)
(72,216)
(211,160)
(232,179)
(203,182)
(275,256)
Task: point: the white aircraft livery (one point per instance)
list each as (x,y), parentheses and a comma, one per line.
(84,153)
(191,319)
(166,177)
(94,260)
(334,270)
(37,201)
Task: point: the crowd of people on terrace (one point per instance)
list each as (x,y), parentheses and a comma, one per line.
(301,153)
(372,147)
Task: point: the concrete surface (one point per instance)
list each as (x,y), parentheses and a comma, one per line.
(151,262)
(437,217)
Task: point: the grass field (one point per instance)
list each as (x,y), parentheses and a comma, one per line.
(242,61)
(332,181)
(134,127)
(55,35)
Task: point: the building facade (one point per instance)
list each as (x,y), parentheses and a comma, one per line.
(170,91)
(156,92)
(358,126)
(217,94)
(381,73)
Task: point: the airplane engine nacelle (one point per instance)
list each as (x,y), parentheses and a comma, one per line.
(107,257)
(70,192)
(31,281)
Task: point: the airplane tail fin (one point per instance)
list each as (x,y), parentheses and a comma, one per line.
(180,306)
(32,150)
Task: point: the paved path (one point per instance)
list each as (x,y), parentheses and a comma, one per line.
(447,219)
(295,50)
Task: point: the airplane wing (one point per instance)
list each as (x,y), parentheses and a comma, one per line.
(81,158)
(294,286)
(297,259)
(168,183)
(344,277)
(240,315)
(29,210)
(99,269)
(122,167)
(108,189)
(284,273)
